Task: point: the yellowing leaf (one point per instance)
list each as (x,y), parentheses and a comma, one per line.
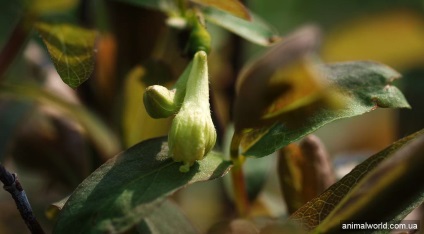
(394,38)
(234,7)
(303,83)
(363,87)
(283,80)
(71,49)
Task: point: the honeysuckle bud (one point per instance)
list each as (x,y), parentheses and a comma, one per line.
(192,133)
(161,102)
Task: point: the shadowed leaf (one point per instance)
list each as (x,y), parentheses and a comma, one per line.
(71,49)
(316,210)
(363,87)
(129,187)
(372,198)
(255,30)
(234,7)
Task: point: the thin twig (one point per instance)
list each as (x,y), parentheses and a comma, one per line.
(12,185)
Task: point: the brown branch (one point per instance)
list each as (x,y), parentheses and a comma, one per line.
(12,185)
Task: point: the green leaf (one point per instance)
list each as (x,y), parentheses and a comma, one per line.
(71,49)
(312,213)
(364,86)
(98,132)
(255,31)
(176,221)
(234,7)
(129,187)
(392,190)
(153,223)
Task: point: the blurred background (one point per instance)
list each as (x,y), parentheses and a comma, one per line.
(53,146)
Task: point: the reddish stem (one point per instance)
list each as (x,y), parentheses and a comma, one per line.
(13,45)
(237,175)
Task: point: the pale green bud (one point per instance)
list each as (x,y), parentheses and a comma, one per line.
(159,101)
(192,133)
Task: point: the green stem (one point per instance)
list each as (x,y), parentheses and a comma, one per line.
(237,175)
(182,7)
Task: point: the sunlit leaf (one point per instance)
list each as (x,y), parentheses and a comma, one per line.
(394,38)
(129,187)
(234,7)
(175,220)
(373,197)
(71,49)
(101,135)
(255,30)
(364,86)
(316,210)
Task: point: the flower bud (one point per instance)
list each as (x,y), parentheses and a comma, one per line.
(192,133)
(192,136)
(159,101)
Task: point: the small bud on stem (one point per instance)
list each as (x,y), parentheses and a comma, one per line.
(192,133)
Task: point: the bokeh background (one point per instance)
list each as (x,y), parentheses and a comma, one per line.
(52,152)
